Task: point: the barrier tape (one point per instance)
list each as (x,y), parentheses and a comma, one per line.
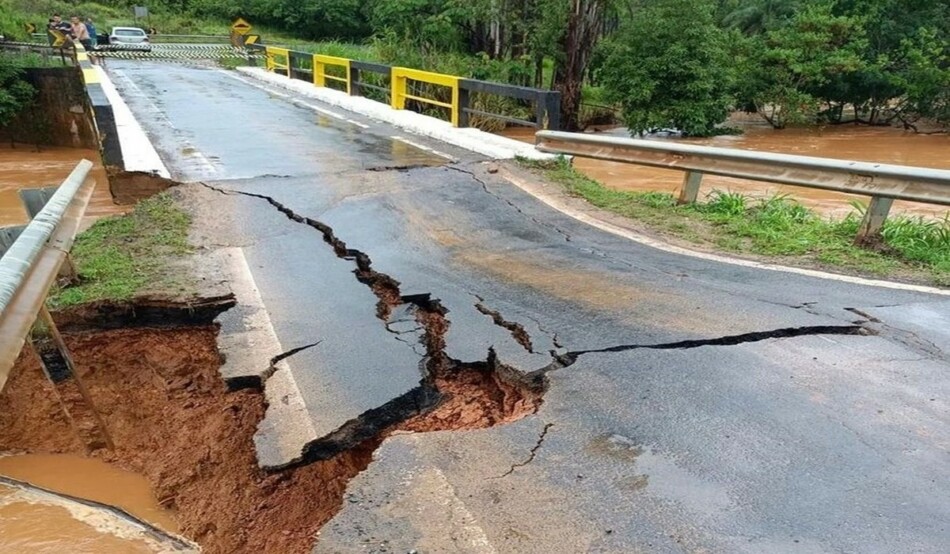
(178,54)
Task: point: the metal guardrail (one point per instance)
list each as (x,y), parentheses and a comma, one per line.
(159,38)
(31,264)
(884,183)
(405,86)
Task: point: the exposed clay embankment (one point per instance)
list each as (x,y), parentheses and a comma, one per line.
(175,421)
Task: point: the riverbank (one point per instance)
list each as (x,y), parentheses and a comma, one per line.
(25,167)
(870,144)
(775,229)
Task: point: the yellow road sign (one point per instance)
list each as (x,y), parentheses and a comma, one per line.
(251,39)
(30,28)
(240,26)
(59,38)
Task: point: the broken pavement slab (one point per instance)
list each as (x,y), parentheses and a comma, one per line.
(700,414)
(693,460)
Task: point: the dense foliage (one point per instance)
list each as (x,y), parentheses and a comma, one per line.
(876,62)
(666,63)
(15,93)
(667,75)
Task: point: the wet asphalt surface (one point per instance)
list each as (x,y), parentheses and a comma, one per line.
(823,442)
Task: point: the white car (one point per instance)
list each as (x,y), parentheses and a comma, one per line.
(129,38)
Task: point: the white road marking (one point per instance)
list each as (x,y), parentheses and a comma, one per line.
(286,427)
(318,109)
(423,147)
(295,101)
(206,169)
(138,153)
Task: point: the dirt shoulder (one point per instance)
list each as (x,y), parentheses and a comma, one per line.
(775,231)
(140,269)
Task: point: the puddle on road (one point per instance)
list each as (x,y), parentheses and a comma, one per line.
(33,521)
(883,145)
(23,167)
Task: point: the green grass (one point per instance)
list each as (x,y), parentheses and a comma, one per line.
(25,60)
(119,256)
(778,227)
(361,52)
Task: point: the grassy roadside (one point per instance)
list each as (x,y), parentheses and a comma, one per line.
(777,228)
(121,256)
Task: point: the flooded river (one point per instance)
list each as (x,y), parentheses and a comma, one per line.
(37,522)
(24,167)
(884,145)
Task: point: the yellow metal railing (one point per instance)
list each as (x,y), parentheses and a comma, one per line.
(320,75)
(278,58)
(405,84)
(400,89)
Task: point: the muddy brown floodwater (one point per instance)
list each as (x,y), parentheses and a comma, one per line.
(884,145)
(31,522)
(23,167)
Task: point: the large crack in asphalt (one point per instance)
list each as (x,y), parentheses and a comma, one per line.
(531,453)
(517,330)
(451,390)
(569,358)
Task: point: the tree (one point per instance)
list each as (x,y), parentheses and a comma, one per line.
(583,29)
(793,65)
(15,93)
(667,74)
(757,16)
(924,76)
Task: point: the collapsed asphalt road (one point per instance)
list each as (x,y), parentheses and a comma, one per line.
(688,405)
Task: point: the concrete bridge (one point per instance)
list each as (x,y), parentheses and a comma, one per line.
(667,401)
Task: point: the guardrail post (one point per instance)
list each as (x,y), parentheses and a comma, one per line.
(874,219)
(73,396)
(548,110)
(8,236)
(397,84)
(690,190)
(319,72)
(354,82)
(464,103)
(456,108)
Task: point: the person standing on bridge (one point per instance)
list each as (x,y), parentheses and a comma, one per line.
(80,33)
(57,23)
(91,31)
